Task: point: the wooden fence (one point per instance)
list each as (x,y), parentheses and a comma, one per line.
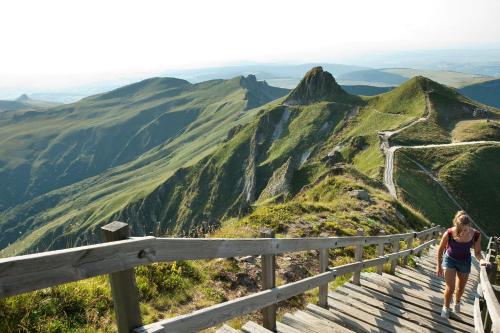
(486,305)
(122,253)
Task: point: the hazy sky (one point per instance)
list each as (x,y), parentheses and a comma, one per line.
(49,41)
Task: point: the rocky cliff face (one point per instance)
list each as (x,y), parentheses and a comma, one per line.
(317,85)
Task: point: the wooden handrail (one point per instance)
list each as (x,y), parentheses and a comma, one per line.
(118,258)
(37,271)
(487,319)
(219,313)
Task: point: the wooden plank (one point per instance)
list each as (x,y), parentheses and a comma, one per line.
(303,325)
(268,282)
(224,329)
(421,294)
(436,285)
(323,267)
(478,322)
(219,313)
(409,242)
(283,328)
(358,256)
(341,318)
(123,284)
(252,327)
(320,324)
(386,313)
(394,262)
(37,271)
(377,321)
(409,299)
(423,311)
(380,253)
(490,299)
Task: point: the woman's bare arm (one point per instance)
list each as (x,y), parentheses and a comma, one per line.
(477,251)
(439,256)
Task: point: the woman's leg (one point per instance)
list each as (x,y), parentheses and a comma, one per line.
(449,278)
(461,282)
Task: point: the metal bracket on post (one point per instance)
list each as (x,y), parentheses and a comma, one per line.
(123,284)
(268,282)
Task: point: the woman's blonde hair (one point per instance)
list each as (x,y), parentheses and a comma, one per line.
(460,220)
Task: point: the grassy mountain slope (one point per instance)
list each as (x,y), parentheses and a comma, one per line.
(66,144)
(75,210)
(470,173)
(448,110)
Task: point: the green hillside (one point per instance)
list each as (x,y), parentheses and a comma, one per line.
(43,151)
(448,110)
(78,208)
(225,164)
(470,173)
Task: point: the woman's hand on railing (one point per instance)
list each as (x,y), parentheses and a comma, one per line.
(439,270)
(483,262)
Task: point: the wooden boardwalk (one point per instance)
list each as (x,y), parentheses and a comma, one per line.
(409,301)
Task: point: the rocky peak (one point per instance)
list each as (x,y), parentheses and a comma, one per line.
(317,85)
(23,98)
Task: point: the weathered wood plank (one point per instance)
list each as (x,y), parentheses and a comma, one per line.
(252,327)
(283,328)
(224,329)
(425,310)
(381,323)
(491,300)
(323,267)
(378,280)
(320,324)
(123,284)
(478,322)
(341,318)
(410,299)
(358,256)
(268,282)
(37,271)
(387,313)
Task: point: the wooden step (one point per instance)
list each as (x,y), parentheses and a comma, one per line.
(387,312)
(351,322)
(404,310)
(367,317)
(227,329)
(283,328)
(252,327)
(423,304)
(425,295)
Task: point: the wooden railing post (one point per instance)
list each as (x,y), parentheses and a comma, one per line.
(358,256)
(268,282)
(410,246)
(394,262)
(123,284)
(380,252)
(323,289)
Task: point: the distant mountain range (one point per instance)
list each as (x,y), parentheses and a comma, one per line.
(168,156)
(23,102)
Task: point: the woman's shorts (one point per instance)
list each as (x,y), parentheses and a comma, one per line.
(462,266)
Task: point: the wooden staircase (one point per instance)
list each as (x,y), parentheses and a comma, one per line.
(409,301)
